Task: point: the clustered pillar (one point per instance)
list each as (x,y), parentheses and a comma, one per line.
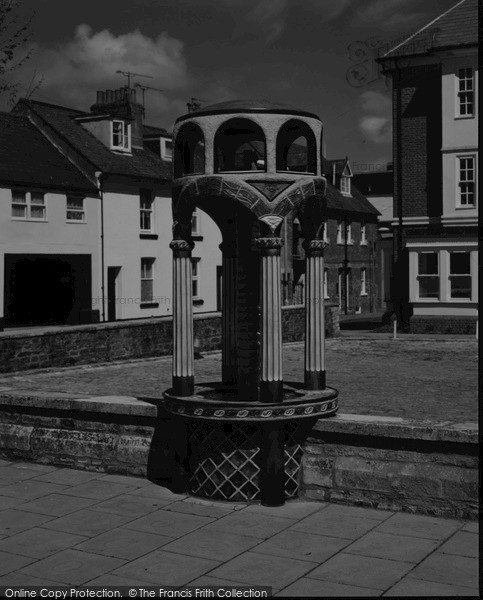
(183,352)
(271,382)
(315,378)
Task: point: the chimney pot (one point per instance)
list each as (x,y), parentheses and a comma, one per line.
(100,97)
(109,96)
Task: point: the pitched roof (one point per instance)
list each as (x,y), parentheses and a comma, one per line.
(27,158)
(375,183)
(151,130)
(457,27)
(356,202)
(141,163)
(328,165)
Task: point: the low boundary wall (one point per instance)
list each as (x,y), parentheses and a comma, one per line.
(379,462)
(106,342)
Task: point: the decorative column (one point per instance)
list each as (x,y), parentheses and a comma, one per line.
(314,315)
(228,314)
(271,383)
(183,355)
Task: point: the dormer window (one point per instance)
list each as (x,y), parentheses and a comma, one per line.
(166,149)
(345,185)
(121,136)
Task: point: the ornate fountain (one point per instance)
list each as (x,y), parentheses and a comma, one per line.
(248,165)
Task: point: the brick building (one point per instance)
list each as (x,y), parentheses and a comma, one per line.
(435,151)
(352,267)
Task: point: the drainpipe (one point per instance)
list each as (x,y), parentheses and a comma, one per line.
(100,184)
(346,263)
(399,248)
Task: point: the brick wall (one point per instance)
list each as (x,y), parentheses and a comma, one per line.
(122,340)
(393,464)
(443,324)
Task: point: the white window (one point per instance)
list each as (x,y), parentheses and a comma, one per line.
(349,233)
(326,283)
(363,281)
(428,275)
(467,181)
(195,222)
(340,232)
(166,149)
(326,232)
(196,277)
(28,206)
(460,276)
(466,93)
(121,136)
(363,234)
(345,185)
(75,209)
(146,210)
(147,279)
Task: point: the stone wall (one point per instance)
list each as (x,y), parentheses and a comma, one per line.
(393,464)
(106,342)
(379,462)
(443,324)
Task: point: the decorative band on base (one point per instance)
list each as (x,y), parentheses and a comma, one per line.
(315,380)
(183,386)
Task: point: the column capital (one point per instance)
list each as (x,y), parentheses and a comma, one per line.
(314,247)
(269,245)
(180,247)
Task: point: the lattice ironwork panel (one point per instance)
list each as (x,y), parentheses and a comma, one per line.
(224,460)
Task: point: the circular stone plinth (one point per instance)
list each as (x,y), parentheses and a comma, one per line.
(217,402)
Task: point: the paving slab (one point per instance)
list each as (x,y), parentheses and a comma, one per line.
(39,542)
(344,510)
(9,502)
(10,474)
(165,568)
(462,543)
(109,580)
(123,543)
(208,510)
(250,524)
(11,562)
(57,505)
(290,510)
(21,580)
(87,522)
(325,589)
(98,490)
(328,524)
(157,491)
(209,543)
(168,523)
(133,506)
(14,521)
(473,527)
(432,528)
(68,476)
(408,586)
(30,489)
(394,547)
(448,568)
(31,466)
(362,571)
(253,568)
(302,545)
(72,566)
(136,482)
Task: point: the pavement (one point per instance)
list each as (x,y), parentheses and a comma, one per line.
(66,527)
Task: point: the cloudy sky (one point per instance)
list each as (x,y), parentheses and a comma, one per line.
(313,54)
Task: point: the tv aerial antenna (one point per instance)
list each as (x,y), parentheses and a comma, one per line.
(144,88)
(128,74)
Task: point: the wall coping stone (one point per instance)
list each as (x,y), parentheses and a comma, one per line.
(344,424)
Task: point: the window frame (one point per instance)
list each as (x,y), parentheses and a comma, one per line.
(459,181)
(461,93)
(165,155)
(419,276)
(363,241)
(456,275)
(364,281)
(125,136)
(27,205)
(195,277)
(345,182)
(195,218)
(71,209)
(149,261)
(143,194)
(326,284)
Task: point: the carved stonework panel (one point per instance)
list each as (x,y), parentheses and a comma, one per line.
(270,189)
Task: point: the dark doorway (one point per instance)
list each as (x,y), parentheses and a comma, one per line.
(46,289)
(112,274)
